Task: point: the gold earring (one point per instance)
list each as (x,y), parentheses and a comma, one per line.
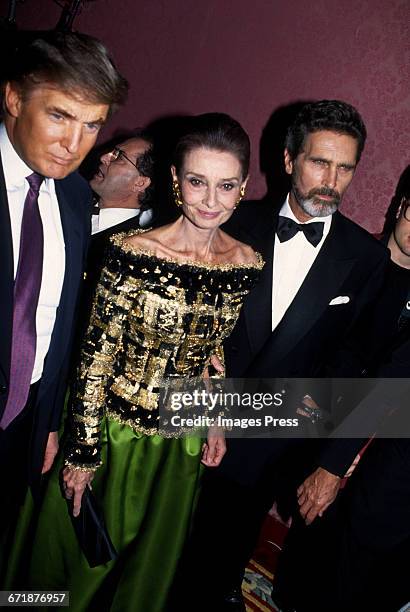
(177,193)
(241,195)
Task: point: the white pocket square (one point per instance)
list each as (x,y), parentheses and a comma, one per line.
(340,299)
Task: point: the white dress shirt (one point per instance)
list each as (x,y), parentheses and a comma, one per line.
(15,172)
(108,217)
(291,263)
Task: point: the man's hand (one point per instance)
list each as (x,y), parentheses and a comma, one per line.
(317,493)
(74,484)
(214,448)
(51,451)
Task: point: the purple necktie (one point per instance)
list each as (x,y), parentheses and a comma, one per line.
(26,291)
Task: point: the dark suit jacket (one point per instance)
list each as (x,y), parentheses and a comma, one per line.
(351,263)
(95,260)
(384,409)
(73,196)
(306,342)
(372,524)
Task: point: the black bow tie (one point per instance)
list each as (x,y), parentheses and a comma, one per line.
(95,209)
(287,228)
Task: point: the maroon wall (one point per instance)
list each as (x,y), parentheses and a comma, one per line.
(249,58)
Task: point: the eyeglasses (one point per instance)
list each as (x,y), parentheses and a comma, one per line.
(405,208)
(117,153)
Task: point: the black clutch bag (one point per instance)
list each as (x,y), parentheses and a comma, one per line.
(91,531)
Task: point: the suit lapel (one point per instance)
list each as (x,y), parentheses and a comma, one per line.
(320,286)
(258,304)
(72,231)
(6,281)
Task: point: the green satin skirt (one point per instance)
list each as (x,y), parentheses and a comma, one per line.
(147,487)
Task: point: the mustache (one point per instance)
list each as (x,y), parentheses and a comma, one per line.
(325,191)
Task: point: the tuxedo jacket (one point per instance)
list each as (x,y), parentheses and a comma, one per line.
(74,196)
(308,341)
(350,265)
(95,261)
(97,247)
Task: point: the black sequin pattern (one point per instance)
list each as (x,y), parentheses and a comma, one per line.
(153,319)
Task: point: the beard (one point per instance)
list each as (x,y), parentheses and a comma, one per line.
(312,205)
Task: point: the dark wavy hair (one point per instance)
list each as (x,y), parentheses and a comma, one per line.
(216,131)
(75,62)
(332,115)
(402,191)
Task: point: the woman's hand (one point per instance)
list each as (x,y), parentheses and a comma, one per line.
(214,448)
(215,362)
(74,484)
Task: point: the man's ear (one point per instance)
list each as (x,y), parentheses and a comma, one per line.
(12,100)
(288,162)
(141,184)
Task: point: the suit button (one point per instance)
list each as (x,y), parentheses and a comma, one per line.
(3,388)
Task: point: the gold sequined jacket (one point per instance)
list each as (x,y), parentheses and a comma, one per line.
(152,319)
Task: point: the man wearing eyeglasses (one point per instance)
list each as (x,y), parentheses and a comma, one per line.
(123,183)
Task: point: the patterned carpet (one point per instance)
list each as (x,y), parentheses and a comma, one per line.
(257,584)
(256,588)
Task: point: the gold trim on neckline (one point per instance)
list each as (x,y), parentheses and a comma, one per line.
(118,240)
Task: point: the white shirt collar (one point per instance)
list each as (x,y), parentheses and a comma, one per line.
(113,216)
(108,217)
(15,169)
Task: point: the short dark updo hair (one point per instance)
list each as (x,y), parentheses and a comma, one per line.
(216,131)
(332,115)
